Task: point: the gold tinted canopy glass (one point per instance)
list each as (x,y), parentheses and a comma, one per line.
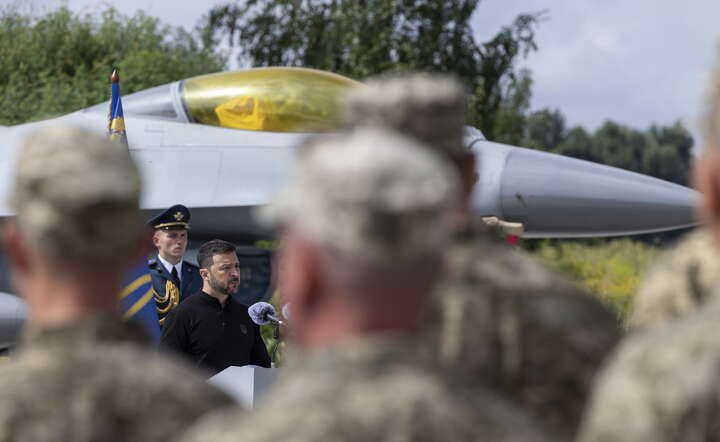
(267,99)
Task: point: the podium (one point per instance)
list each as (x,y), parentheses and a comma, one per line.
(245,384)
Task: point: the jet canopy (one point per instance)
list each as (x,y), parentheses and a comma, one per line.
(263,99)
(270,99)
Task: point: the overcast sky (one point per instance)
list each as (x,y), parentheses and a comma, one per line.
(637,62)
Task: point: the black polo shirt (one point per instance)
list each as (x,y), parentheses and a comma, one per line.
(214,336)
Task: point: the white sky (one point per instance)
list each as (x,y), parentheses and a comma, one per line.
(637,62)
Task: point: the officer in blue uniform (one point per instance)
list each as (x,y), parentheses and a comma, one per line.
(173,279)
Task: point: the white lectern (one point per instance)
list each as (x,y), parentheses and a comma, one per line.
(245,384)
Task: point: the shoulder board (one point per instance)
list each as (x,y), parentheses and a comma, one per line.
(152,261)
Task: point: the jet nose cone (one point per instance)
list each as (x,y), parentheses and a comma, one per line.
(556,196)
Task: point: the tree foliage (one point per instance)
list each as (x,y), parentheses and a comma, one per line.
(661,151)
(361,38)
(61,61)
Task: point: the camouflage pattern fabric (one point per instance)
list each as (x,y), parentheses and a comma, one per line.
(95,381)
(681,281)
(662,385)
(502,319)
(373,194)
(429,108)
(367,390)
(76,195)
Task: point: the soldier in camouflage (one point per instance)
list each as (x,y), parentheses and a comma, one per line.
(686,276)
(681,281)
(498,318)
(663,383)
(81,374)
(365,222)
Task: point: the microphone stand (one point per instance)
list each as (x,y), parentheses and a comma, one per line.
(276,335)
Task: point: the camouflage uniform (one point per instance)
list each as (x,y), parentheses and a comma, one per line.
(375,196)
(372,389)
(83,375)
(681,280)
(662,385)
(499,318)
(97,380)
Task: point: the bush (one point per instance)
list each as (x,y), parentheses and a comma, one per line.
(612,270)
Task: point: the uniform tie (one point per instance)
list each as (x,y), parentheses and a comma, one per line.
(174,274)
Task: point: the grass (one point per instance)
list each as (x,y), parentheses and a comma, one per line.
(612,269)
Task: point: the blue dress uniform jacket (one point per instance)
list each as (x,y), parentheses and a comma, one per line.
(190,283)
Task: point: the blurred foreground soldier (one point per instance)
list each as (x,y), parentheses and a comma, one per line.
(81,374)
(365,226)
(686,276)
(683,278)
(690,273)
(210,328)
(663,383)
(499,318)
(173,279)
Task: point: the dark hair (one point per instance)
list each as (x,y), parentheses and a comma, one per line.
(212,248)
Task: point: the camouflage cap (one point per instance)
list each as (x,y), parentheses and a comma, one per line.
(76,194)
(373,194)
(429,108)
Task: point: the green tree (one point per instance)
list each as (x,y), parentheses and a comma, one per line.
(545,130)
(361,38)
(61,61)
(577,144)
(661,151)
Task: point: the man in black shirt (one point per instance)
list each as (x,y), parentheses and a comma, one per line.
(211,328)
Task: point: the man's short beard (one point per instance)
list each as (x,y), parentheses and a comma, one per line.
(218,287)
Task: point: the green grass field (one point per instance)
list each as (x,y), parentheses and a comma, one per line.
(612,270)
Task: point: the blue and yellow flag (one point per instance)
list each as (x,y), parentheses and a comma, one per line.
(116,119)
(137,302)
(136,299)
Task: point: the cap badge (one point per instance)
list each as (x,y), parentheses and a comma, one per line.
(179,216)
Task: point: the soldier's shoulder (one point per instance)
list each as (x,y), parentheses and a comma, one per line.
(407,405)
(659,382)
(683,278)
(115,382)
(492,263)
(695,248)
(672,345)
(169,372)
(154,265)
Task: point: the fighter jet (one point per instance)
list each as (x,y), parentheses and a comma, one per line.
(222,143)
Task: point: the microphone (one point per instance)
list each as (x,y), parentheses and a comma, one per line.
(263,313)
